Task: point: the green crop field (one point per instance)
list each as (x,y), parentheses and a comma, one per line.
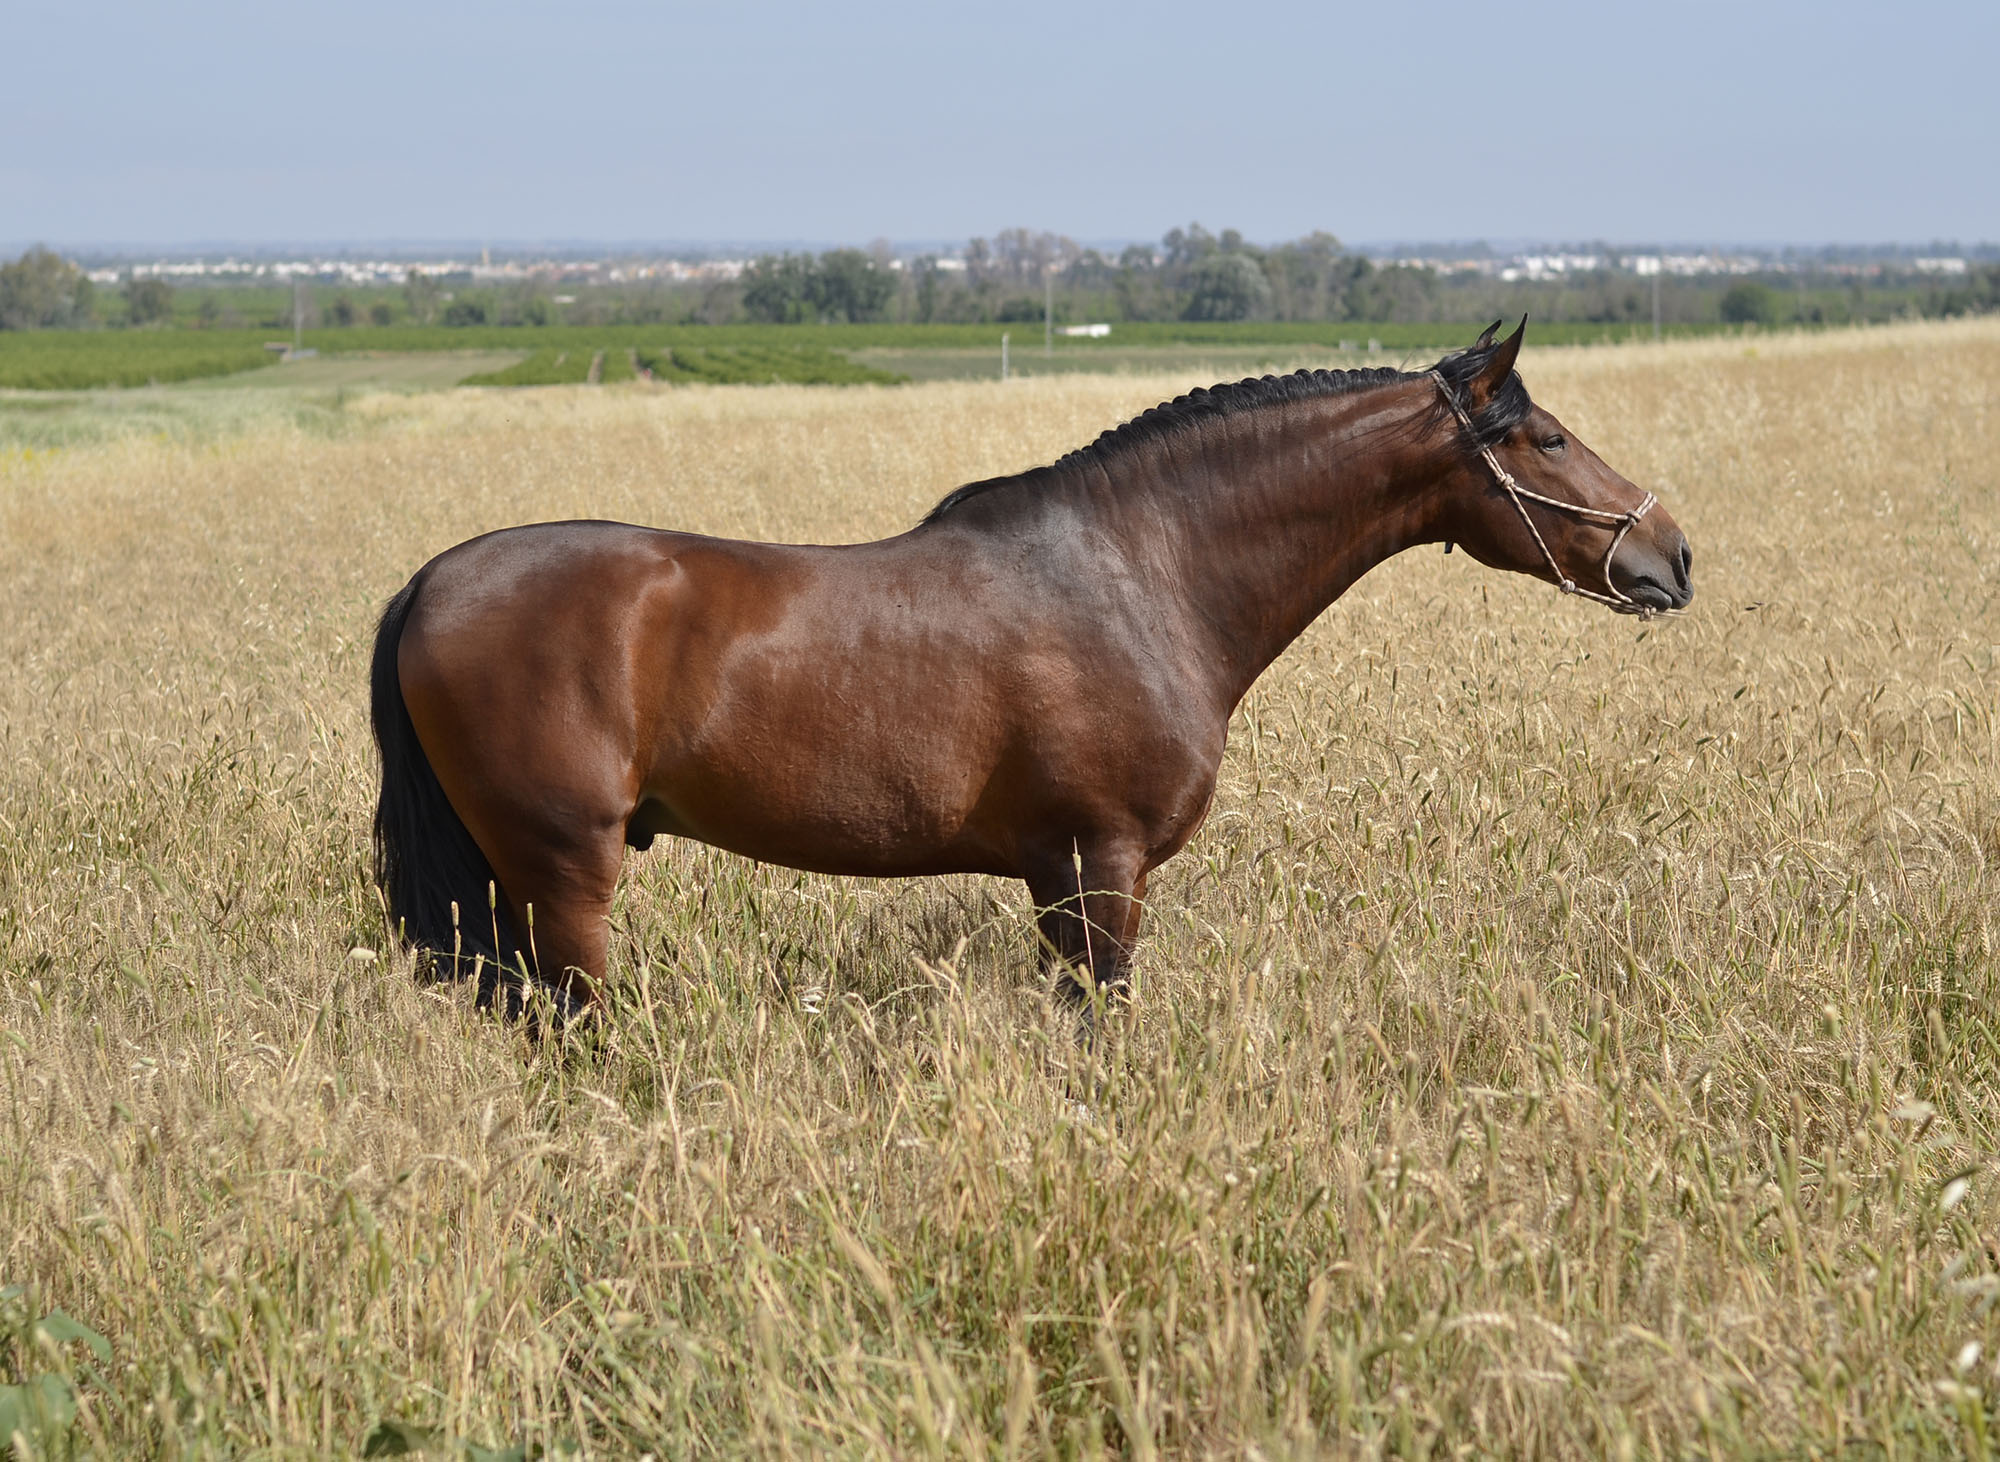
(80,360)
(760,364)
(620,363)
(742,365)
(543,368)
(63,360)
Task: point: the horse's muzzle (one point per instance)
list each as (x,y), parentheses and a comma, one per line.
(1656,574)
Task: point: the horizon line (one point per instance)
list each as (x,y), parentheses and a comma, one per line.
(405,246)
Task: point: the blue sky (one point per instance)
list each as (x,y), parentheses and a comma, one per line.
(1750,122)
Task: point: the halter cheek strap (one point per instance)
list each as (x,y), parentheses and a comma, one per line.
(1623,523)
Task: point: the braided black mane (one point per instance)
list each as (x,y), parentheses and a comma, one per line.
(1508,408)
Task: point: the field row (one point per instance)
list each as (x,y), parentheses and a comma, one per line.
(52,360)
(753,365)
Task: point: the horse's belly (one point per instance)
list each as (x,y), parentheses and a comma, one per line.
(835,809)
(846,841)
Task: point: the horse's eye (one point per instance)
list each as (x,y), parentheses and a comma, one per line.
(1553,444)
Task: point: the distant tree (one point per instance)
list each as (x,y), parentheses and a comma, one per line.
(978,260)
(342,311)
(1979,293)
(850,285)
(381,312)
(467,309)
(149,301)
(1310,277)
(1020,254)
(719,303)
(1020,310)
(1228,287)
(778,289)
(902,286)
(209,310)
(41,290)
(1186,247)
(652,304)
(594,307)
(421,294)
(1034,253)
(1603,306)
(1139,288)
(926,270)
(1749,303)
(1401,292)
(536,310)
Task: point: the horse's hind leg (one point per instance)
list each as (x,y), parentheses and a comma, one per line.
(559,888)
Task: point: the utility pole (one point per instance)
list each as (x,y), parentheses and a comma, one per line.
(1003,355)
(1656,299)
(1049,311)
(298,317)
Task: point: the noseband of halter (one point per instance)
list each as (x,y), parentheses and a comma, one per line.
(1623,523)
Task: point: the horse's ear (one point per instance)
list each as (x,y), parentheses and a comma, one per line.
(1486,336)
(1481,388)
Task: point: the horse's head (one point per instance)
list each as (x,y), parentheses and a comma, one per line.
(1528,496)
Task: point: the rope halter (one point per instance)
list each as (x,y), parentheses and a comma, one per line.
(1623,523)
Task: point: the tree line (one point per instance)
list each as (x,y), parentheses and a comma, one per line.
(41,290)
(1195,275)
(1012,277)
(1020,273)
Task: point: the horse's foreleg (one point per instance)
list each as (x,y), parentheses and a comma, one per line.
(1087,911)
(1135,907)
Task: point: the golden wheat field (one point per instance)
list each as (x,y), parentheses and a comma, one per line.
(1567,1037)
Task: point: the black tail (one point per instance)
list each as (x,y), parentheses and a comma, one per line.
(425,860)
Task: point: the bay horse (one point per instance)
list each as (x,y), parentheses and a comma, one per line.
(1036,681)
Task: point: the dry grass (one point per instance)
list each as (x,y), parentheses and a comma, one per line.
(1562,1040)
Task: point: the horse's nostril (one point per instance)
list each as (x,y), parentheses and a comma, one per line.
(1686,563)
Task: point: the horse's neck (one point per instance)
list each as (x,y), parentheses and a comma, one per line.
(1278,511)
